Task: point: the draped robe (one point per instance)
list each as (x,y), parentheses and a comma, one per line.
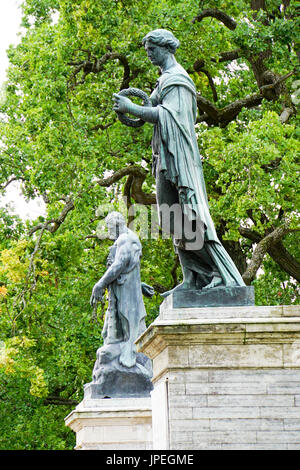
(178,169)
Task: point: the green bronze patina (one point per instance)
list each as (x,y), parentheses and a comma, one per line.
(178,170)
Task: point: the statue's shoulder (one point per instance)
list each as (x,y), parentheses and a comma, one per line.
(176,76)
(174,71)
(128,237)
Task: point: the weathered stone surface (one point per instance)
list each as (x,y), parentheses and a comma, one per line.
(248,376)
(214,437)
(167,312)
(227,389)
(291,424)
(218,384)
(227,424)
(112,424)
(229,383)
(250,400)
(262,446)
(277,338)
(160,416)
(236,356)
(291,353)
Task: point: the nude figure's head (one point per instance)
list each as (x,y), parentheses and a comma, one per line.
(159,44)
(116,224)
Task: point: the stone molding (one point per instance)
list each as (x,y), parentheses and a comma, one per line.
(120,423)
(225,378)
(232,337)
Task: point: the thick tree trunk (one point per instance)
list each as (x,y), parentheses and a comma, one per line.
(275,248)
(287,262)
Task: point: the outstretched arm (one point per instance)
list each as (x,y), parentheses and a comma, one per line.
(125,105)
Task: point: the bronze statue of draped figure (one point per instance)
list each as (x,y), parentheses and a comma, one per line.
(177,165)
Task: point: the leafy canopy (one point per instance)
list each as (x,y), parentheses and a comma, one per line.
(61,139)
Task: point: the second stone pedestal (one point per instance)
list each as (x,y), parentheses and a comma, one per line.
(112,424)
(225,377)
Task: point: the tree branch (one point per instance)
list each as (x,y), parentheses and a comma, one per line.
(285,260)
(53,400)
(211,83)
(269,83)
(230,112)
(13,178)
(218,15)
(53,224)
(222,117)
(31,270)
(207,108)
(138,177)
(260,251)
(94,65)
(227,56)
(271,244)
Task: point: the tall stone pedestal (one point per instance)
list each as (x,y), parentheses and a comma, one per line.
(112,424)
(225,377)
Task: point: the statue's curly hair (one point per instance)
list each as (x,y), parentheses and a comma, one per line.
(162,37)
(117,216)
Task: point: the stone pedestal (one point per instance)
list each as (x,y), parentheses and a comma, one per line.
(112,424)
(225,378)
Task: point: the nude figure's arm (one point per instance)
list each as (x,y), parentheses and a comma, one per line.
(121,261)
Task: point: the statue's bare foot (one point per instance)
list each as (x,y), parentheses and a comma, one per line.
(216,281)
(183,285)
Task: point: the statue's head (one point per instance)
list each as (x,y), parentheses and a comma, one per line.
(115,223)
(160,43)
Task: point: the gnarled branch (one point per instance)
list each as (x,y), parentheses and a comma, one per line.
(218,15)
(53,224)
(221,117)
(211,83)
(94,65)
(138,177)
(5,185)
(271,243)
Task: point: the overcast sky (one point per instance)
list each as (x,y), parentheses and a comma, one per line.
(10,19)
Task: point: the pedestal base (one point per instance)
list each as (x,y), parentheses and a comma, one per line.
(119,385)
(217,297)
(112,380)
(225,378)
(112,424)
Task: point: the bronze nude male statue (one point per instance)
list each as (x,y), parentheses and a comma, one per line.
(120,371)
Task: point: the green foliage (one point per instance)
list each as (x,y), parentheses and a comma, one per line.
(60,136)
(244,156)
(273,287)
(14,359)
(27,423)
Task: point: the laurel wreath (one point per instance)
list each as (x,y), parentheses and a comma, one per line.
(146,102)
